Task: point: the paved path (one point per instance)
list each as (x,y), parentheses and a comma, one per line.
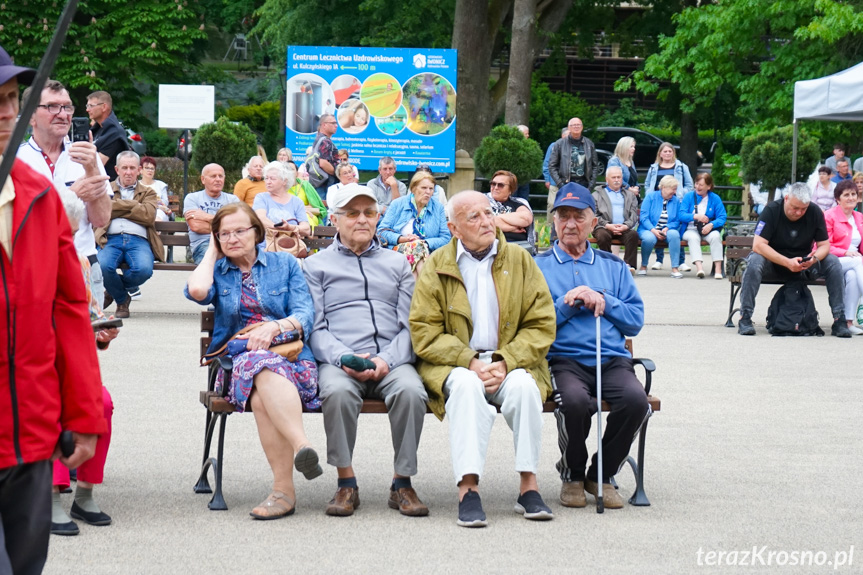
(756,445)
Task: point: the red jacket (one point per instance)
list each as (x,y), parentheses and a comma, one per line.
(49,374)
(839,230)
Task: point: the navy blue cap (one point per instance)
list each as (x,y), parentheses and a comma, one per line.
(8,70)
(574,196)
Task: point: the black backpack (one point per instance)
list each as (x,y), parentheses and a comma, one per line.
(792,311)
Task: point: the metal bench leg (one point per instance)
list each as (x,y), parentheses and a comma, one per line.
(217,503)
(639,498)
(735,289)
(203,486)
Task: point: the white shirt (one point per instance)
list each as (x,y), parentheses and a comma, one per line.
(122,225)
(66,172)
(481,293)
(855,233)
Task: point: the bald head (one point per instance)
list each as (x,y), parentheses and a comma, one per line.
(471,219)
(213,178)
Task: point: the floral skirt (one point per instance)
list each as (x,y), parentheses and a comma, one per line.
(416,252)
(302,373)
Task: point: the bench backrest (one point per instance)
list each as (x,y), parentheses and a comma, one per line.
(738,247)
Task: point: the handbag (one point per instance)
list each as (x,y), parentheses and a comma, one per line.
(286,241)
(287,344)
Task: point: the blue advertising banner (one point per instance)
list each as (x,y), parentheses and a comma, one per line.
(397,102)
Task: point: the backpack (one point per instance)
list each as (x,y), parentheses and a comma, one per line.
(317,176)
(792,311)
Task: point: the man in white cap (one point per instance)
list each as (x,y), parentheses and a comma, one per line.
(49,375)
(362,294)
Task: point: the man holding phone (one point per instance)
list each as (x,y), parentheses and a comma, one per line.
(791,243)
(74,166)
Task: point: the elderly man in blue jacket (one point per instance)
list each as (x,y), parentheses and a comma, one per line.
(576,271)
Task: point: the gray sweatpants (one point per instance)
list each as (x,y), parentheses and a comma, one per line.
(342,396)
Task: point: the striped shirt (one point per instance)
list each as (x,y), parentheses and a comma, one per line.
(663,217)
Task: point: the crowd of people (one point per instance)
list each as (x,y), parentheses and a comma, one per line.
(420,300)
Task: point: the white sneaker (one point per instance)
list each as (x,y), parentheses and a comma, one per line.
(684,268)
(855,330)
(676,275)
(656,266)
(641,273)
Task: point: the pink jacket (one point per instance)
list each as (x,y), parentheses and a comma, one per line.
(839,231)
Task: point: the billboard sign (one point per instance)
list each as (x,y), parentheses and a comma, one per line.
(397,102)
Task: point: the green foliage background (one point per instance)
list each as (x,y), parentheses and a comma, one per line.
(225,143)
(766,157)
(507,149)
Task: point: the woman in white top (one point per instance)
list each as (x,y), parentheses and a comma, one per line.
(845,230)
(345,174)
(148,172)
(822,192)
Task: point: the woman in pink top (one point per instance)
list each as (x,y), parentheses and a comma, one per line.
(845,232)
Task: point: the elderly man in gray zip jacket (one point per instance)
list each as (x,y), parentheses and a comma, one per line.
(362,294)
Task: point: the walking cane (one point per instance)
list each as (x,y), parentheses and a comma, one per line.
(600,506)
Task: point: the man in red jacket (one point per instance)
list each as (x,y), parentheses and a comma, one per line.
(49,375)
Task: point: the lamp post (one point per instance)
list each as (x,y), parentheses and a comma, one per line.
(283,104)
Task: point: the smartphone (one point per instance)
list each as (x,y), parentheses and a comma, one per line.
(805,259)
(101,324)
(80,131)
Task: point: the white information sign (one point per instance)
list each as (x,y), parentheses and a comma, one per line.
(186,107)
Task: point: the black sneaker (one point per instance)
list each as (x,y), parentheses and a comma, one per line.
(93,518)
(65,529)
(531,505)
(745,327)
(840,328)
(470,513)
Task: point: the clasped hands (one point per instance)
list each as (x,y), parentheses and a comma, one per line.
(381,369)
(491,374)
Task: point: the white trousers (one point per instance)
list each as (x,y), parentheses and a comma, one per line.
(693,240)
(852,270)
(471,419)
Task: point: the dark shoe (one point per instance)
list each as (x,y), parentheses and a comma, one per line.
(99,519)
(345,501)
(531,505)
(572,494)
(840,328)
(306,462)
(108,300)
(470,513)
(745,327)
(67,490)
(611,499)
(70,528)
(407,502)
(123,309)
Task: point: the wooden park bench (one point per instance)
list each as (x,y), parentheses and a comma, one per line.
(737,249)
(218,409)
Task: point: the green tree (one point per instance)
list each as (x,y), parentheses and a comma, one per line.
(766,157)
(229,144)
(550,112)
(507,149)
(113,45)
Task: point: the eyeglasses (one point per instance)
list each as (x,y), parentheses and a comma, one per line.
(88,106)
(369,213)
(148,167)
(225,236)
(498,185)
(55,108)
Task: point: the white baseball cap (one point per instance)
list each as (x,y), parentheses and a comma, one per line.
(343,196)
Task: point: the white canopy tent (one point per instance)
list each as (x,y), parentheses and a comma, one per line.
(837,98)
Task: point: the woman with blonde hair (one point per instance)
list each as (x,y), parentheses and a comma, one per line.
(624,158)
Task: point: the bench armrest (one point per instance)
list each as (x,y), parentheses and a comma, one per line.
(649,368)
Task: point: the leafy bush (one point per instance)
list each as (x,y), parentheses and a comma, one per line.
(628,115)
(507,149)
(256,117)
(550,112)
(160,143)
(229,144)
(766,157)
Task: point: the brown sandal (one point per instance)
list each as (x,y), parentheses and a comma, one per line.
(275,507)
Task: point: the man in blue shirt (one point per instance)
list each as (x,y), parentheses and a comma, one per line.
(842,171)
(575,271)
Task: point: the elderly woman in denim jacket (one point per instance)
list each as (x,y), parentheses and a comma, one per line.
(249,286)
(659,222)
(415,224)
(667,164)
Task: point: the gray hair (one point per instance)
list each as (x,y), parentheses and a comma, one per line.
(801,192)
(74,207)
(128,154)
(282,172)
(344,166)
(618,168)
(386,161)
(254,158)
(669,182)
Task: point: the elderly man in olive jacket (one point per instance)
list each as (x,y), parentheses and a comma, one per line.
(481,322)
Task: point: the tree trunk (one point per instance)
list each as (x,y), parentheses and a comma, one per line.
(521,59)
(689,142)
(472,40)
